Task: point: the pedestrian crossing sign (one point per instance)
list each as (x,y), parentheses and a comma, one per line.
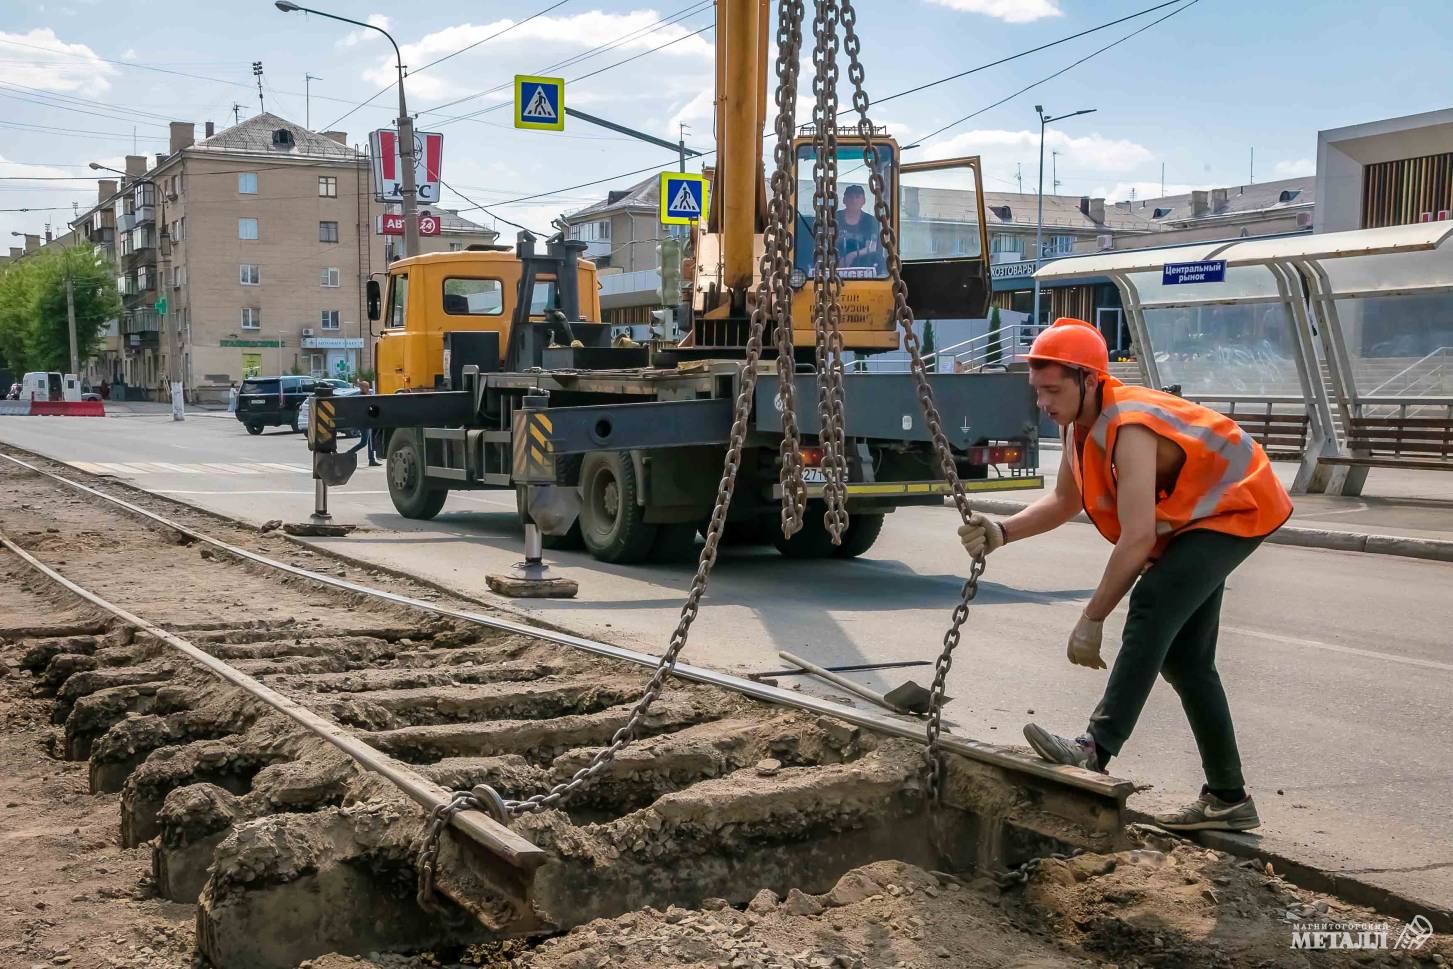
(683,198)
(540,103)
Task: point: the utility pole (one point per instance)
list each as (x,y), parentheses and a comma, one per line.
(1019,175)
(236,113)
(308,80)
(681,145)
(1054,182)
(1044,121)
(71,323)
(1253,165)
(408,154)
(257,73)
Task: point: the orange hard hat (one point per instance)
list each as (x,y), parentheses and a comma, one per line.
(1073,343)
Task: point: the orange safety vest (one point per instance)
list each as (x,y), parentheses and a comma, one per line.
(1226,484)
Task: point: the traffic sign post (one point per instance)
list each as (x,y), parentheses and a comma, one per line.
(540,103)
(683,198)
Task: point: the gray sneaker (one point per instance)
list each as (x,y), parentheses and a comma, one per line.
(1209,813)
(1079,752)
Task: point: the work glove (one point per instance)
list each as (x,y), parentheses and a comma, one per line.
(1084,649)
(981,535)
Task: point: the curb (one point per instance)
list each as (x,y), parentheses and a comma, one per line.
(1347,887)
(1431,549)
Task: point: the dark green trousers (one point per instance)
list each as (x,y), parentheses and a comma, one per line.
(1175,614)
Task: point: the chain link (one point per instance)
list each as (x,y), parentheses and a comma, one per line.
(774,291)
(852,46)
(482,798)
(827,284)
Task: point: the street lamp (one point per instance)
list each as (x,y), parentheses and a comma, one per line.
(1044,121)
(405,123)
(98,167)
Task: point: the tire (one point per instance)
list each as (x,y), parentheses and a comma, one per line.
(254,429)
(405,473)
(863,531)
(812,542)
(569,542)
(612,522)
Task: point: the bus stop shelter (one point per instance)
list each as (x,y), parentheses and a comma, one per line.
(1333,349)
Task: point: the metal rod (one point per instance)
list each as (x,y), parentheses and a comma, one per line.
(841,681)
(488,833)
(861,668)
(320,499)
(679,147)
(1112,788)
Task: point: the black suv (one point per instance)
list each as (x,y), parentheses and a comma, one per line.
(272,402)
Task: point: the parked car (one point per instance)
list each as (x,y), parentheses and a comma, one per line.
(272,402)
(341,388)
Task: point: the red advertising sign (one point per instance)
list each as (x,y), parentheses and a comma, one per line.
(392,224)
(388,179)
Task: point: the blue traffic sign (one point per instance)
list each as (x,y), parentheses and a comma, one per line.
(1210,271)
(540,102)
(683,198)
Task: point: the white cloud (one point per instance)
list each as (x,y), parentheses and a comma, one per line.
(129,54)
(538,41)
(10,169)
(363,33)
(56,65)
(1009,11)
(1294,167)
(1086,155)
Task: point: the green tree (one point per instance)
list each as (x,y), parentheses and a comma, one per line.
(994,353)
(929,359)
(33,319)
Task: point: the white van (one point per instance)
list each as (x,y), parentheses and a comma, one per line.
(39,385)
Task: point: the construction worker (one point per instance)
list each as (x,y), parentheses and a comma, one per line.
(1185,496)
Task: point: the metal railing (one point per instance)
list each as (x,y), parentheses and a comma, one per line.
(1428,376)
(999,347)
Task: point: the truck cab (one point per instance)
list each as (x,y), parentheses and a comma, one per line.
(424,298)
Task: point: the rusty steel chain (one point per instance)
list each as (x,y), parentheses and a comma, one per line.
(774,291)
(852,45)
(827,306)
(485,798)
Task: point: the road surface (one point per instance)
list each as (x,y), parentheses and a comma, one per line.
(1338,665)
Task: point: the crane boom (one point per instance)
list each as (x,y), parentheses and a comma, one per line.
(741,107)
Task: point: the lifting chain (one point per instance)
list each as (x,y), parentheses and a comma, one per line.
(827,282)
(484,797)
(774,292)
(852,45)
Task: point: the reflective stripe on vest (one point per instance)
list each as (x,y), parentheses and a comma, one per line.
(1261,504)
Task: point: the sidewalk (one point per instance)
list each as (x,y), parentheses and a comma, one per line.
(152,408)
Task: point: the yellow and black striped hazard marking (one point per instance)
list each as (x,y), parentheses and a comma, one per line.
(324,424)
(534,451)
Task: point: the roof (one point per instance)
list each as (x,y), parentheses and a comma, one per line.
(451,221)
(1284,193)
(1419,236)
(1060,212)
(255,136)
(644,195)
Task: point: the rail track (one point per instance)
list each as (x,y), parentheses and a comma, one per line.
(279,723)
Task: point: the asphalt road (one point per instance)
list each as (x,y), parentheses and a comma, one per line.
(1338,665)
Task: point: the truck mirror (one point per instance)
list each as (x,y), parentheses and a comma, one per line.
(375,299)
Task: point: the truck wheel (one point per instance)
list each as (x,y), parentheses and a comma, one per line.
(812,542)
(612,523)
(863,531)
(254,429)
(405,474)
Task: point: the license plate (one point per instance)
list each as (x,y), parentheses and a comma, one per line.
(254,403)
(814,476)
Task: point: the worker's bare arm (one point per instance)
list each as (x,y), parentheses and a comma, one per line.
(1135,478)
(1051,511)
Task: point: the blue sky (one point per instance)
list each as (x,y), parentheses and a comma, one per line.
(79,77)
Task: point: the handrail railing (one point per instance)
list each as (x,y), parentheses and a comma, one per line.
(1440,351)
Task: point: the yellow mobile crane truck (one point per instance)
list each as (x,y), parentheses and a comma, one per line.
(495,371)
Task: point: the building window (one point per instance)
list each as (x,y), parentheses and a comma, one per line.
(145,194)
(1059,245)
(143,278)
(329,277)
(455,246)
(328,186)
(251,318)
(247,183)
(1003,242)
(249,274)
(327,231)
(179,277)
(329,319)
(247,228)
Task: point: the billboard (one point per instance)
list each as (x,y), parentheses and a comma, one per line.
(388,178)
